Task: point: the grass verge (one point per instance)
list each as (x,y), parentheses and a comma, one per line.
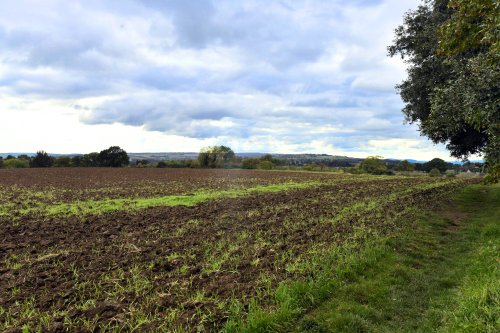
(439,273)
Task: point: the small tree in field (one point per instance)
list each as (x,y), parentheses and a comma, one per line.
(436,163)
(265,165)
(434,173)
(113,157)
(15,163)
(42,160)
(215,157)
(373,165)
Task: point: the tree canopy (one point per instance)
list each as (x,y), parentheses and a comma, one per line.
(436,163)
(215,156)
(451,47)
(42,160)
(374,165)
(113,157)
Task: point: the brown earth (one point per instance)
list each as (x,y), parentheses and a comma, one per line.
(193,260)
(67,184)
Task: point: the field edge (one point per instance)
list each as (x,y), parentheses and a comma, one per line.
(439,276)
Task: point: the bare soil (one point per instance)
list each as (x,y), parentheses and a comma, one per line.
(162,259)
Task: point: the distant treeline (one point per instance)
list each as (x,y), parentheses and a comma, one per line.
(224,157)
(112,157)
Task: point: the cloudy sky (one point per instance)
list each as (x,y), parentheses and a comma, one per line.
(177,75)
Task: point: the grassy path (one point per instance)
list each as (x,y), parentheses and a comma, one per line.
(440,275)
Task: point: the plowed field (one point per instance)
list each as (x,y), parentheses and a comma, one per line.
(178,250)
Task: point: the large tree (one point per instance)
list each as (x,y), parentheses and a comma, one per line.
(436,163)
(215,157)
(113,157)
(451,48)
(374,165)
(42,160)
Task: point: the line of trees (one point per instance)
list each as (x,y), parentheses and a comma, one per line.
(223,157)
(377,166)
(112,157)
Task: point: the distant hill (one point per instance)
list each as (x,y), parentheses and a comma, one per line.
(290,159)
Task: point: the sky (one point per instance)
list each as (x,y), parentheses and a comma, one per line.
(298,76)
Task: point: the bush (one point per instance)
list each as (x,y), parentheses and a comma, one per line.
(194,164)
(317,167)
(63,162)
(1,162)
(373,165)
(266,165)
(493,175)
(141,163)
(250,163)
(15,163)
(353,170)
(309,167)
(178,164)
(434,173)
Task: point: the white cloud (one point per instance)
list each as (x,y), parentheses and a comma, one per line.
(284,76)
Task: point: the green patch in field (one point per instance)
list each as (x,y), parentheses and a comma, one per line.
(109,205)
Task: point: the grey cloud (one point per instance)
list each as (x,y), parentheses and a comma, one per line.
(207,69)
(344,102)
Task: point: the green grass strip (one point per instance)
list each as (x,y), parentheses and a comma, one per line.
(87,207)
(440,274)
(109,205)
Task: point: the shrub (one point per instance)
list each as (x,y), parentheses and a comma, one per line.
(178,164)
(194,164)
(63,162)
(15,163)
(250,163)
(266,165)
(435,173)
(141,163)
(353,170)
(309,167)
(373,165)
(493,175)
